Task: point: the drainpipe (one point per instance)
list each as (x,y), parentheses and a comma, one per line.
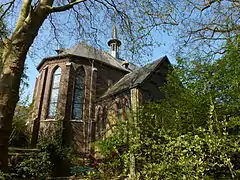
(89,128)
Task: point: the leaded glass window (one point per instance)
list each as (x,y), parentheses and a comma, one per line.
(54,93)
(78,100)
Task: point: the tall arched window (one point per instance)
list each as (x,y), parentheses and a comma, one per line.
(78,100)
(54,93)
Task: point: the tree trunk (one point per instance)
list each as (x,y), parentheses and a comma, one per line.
(9,88)
(13,59)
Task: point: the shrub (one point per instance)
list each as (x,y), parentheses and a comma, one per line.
(20,134)
(32,166)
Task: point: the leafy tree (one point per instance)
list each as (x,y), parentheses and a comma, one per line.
(204,26)
(193,133)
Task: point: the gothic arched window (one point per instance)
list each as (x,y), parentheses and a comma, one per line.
(54,93)
(78,99)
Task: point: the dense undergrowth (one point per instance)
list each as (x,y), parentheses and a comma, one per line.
(192,134)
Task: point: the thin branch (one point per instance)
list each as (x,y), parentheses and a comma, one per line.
(208,5)
(10,5)
(64,7)
(54,29)
(216,29)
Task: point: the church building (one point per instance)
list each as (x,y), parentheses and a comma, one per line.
(88,90)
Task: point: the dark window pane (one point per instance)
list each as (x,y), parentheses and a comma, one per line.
(78,96)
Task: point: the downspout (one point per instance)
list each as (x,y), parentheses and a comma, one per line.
(89,128)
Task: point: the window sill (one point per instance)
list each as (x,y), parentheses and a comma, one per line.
(77,121)
(49,120)
(54,120)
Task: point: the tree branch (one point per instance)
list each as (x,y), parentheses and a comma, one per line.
(216,29)
(10,5)
(64,7)
(26,6)
(209,4)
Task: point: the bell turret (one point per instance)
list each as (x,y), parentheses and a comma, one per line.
(114,43)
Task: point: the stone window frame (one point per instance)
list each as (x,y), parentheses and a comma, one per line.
(80,68)
(54,69)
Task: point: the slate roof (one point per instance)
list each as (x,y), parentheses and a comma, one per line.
(83,50)
(135,78)
(131,66)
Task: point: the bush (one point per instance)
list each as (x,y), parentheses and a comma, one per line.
(20,135)
(32,166)
(53,158)
(60,155)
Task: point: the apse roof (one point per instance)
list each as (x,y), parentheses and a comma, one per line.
(136,77)
(83,50)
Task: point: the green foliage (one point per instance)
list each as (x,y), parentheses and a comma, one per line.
(60,155)
(115,151)
(33,166)
(20,134)
(53,158)
(192,134)
(4,176)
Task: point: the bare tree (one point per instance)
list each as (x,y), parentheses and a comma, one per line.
(205,25)
(90,16)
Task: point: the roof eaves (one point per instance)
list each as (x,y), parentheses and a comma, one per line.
(72,55)
(53,58)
